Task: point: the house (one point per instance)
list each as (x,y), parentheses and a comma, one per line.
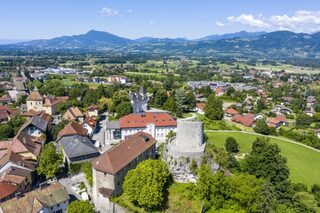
(110,169)
(200,108)
(230,112)
(219,91)
(7,113)
(277,122)
(74,114)
(10,159)
(5,99)
(19,180)
(118,79)
(90,124)
(73,128)
(246,120)
(93,111)
(281,110)
(38,125)
(77,149)
(35,101)
(51,198)
(157,124)
(27,146)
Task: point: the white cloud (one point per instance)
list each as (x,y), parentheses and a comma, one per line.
(151,23)
(220,24)
(128,11)
(107,12)
(300,21)
(250,20)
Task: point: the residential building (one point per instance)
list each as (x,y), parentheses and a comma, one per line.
(157,124)
(74,114)
(277,122)
(77,149)
(52,198)
(90,124)
(73,128)
(200,108)
(112,166)
(230,112)
(246,120)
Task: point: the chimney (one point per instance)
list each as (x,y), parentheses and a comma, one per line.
(43,185)
(18,195)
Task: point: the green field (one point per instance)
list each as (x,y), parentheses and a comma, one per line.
(302,161)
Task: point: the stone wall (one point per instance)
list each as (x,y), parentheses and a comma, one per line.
(189,133)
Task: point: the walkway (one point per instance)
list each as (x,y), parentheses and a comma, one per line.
(269,136)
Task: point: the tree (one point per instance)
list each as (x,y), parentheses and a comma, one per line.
(260,105)
(124,108)
(49,161)
(213,108)
(261,127)
(170,105)
(297,104)
(305,202)
(315,190)
(265,161)
(184,100)
(160,98)
(80,206)
(231,145)
(303,120)
(120,96)
(146,185)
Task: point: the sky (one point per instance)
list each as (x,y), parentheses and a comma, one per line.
(43,19)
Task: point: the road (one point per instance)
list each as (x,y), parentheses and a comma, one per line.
(269,136)
(100,132)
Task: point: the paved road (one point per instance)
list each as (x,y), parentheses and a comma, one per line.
(269,136)
(100,133)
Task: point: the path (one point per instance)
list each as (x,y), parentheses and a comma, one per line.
(269,136)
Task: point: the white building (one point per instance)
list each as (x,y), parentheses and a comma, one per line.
(157,124)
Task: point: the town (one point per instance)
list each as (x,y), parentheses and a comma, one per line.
(160,106)
(67,140)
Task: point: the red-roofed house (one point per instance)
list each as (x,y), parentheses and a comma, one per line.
(278,121)
(219,91)
(110,168)
(246,120)
(200,108)
(230,112)
(157,124)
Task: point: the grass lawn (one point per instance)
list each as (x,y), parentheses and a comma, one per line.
(303,162)
(217,125)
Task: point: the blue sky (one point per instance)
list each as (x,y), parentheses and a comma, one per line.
(33,19)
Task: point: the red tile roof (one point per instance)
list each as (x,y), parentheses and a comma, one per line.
(116,158)
(136,120)
(91,121)
(34,96)
(231,111)
(7,189)
(246,120)
(200,106)
(274,121)
(73,128)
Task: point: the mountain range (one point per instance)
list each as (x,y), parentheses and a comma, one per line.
(257,44)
